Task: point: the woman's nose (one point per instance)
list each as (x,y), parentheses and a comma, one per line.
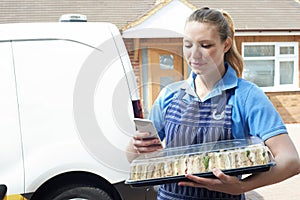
(196,52)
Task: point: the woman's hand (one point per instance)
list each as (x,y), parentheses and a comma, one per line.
(143,144)
(222,183)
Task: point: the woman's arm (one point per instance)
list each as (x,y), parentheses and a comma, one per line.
(287,163)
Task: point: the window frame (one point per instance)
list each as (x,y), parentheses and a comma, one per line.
(277,59)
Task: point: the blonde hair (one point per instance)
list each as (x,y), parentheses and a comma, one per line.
(224,23)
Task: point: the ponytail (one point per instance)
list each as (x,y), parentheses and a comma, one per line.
(232,56)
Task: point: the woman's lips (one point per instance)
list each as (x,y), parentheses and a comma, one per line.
(196,64)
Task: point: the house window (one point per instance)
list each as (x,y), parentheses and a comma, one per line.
(272,66)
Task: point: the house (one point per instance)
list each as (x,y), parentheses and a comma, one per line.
(267,35)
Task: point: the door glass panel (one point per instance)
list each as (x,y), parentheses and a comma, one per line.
(260,72)
(259,50)
(166,62)
(286,72)
(145,84)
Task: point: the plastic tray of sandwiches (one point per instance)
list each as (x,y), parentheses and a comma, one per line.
(233,157)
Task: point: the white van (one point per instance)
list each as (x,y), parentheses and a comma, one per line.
(68,94)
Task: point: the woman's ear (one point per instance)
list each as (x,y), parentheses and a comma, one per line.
(227,44)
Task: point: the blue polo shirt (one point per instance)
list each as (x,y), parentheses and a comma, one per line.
(253,114)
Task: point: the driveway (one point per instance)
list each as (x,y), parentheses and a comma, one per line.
(286,190)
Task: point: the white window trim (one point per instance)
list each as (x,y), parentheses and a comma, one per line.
(278,58)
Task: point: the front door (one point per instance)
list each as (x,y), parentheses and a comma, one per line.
(164,68)
(160,67)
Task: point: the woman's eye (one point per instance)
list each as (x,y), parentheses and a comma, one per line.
(188,45)
(206,46)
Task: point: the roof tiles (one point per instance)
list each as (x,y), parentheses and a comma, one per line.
(247,15)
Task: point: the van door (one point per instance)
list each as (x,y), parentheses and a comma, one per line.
(47,71)
(65,92)
(11,156)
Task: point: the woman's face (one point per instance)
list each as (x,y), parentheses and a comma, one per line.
(203,48)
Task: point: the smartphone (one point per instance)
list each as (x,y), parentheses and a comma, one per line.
(146,125)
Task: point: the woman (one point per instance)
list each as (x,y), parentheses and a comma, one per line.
(214,104)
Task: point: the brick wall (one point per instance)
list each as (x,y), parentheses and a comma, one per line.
(135,62)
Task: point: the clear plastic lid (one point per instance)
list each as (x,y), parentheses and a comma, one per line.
(216,146)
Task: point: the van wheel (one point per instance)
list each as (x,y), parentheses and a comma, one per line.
(81,193)
(90,193)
